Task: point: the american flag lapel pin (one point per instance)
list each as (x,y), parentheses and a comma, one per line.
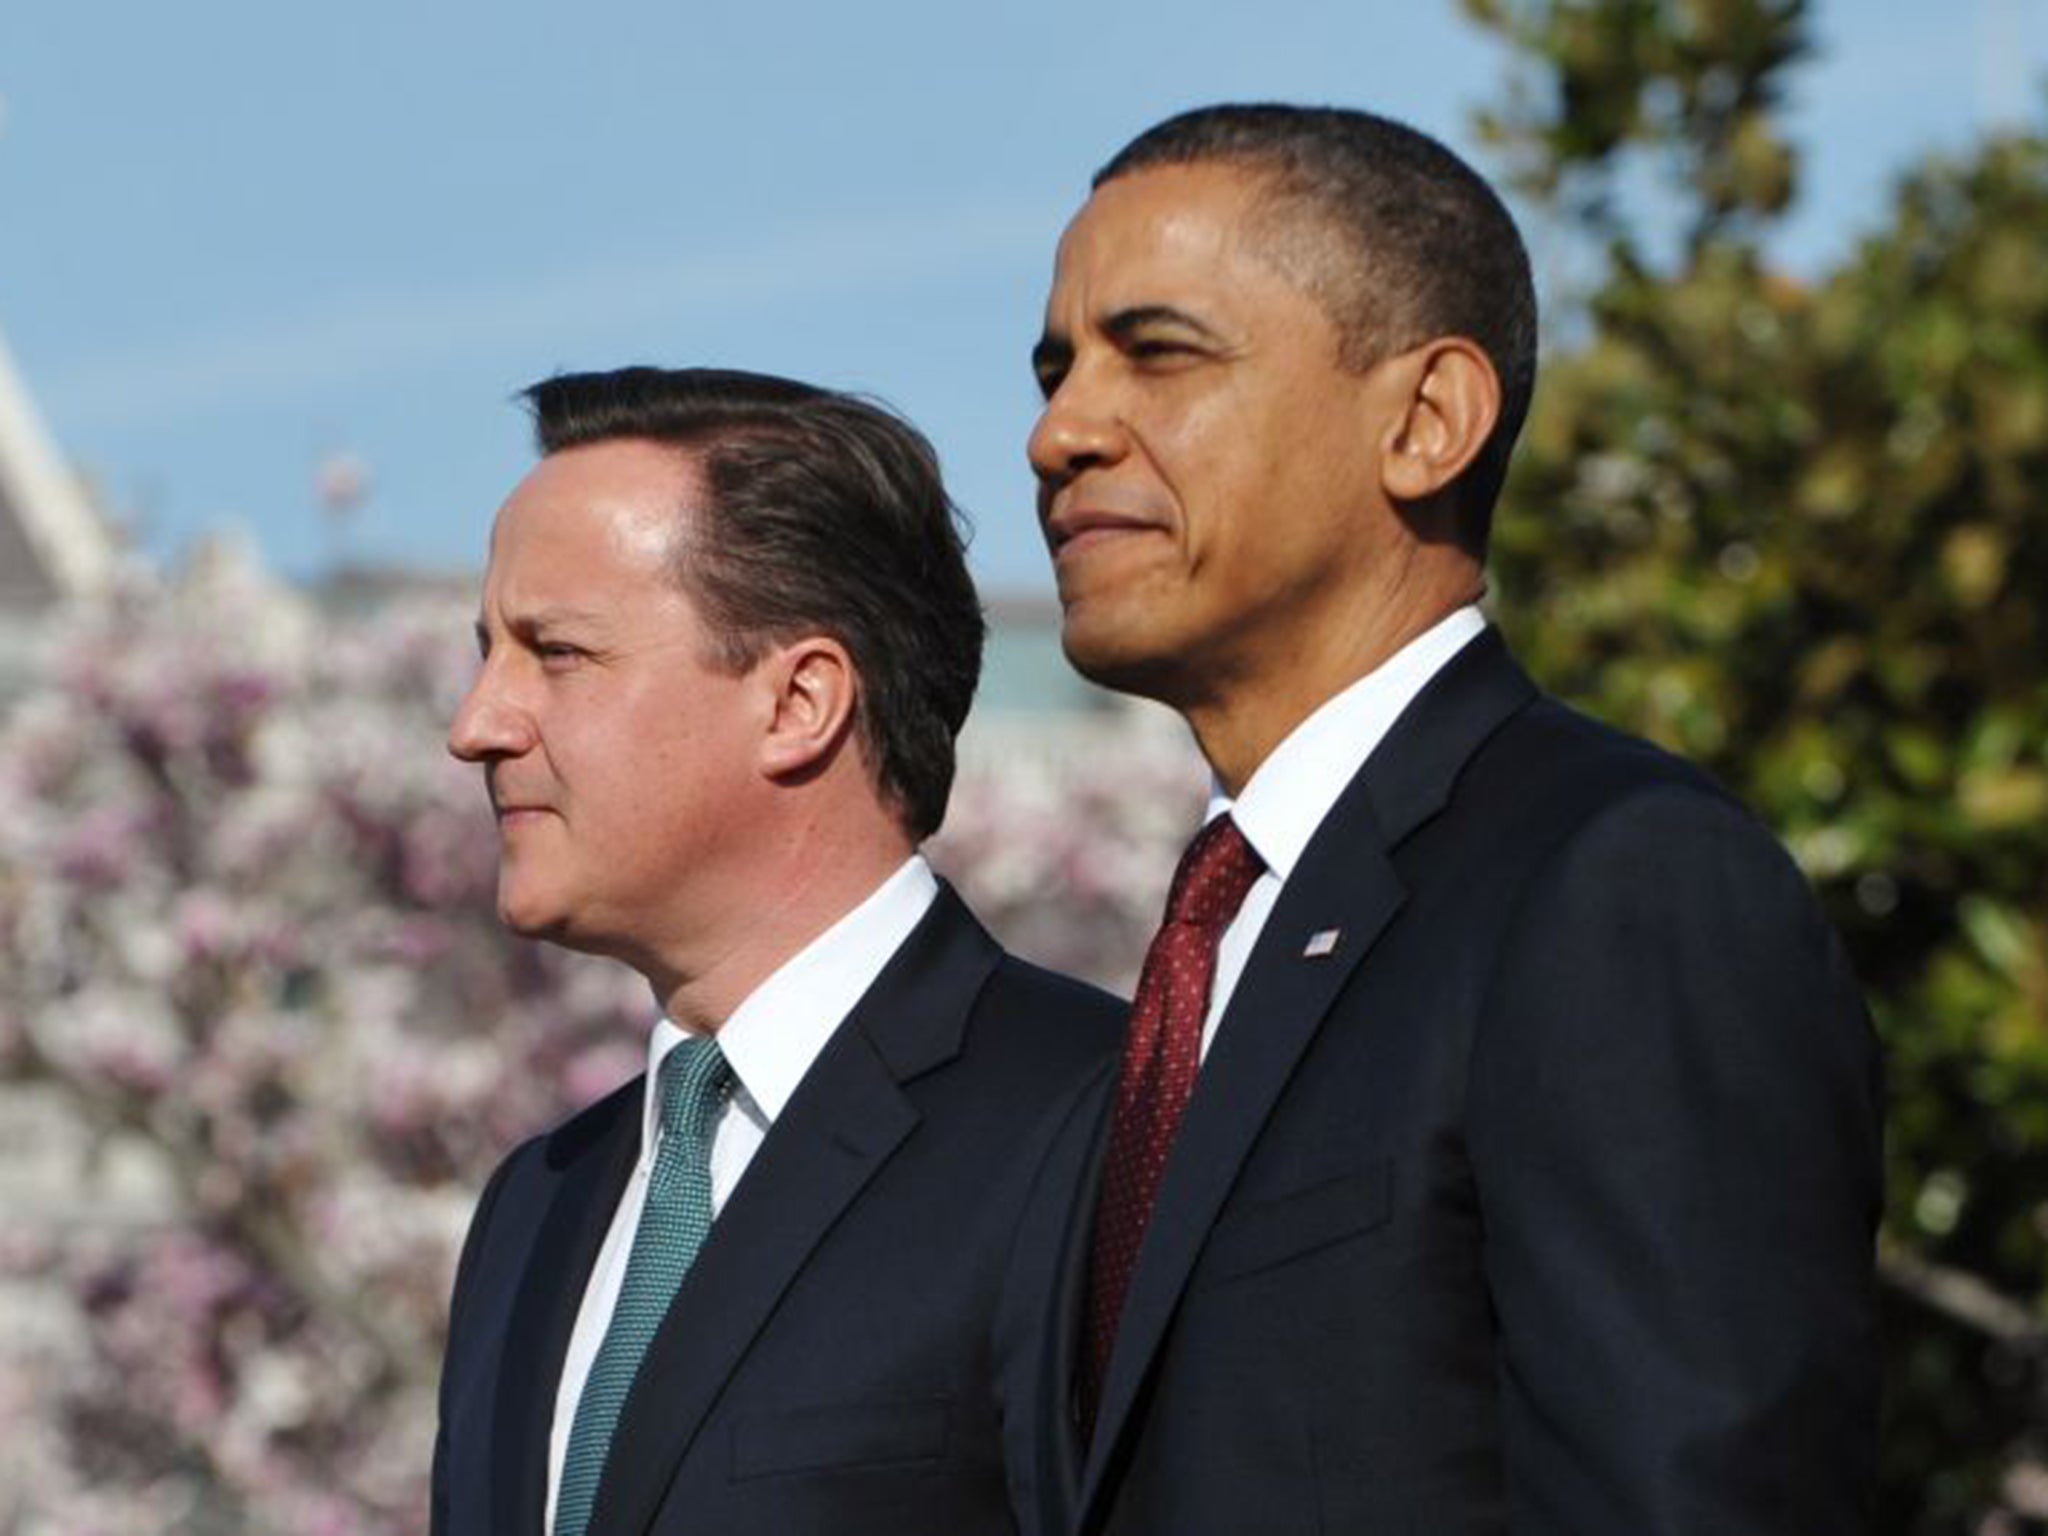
(1321,943)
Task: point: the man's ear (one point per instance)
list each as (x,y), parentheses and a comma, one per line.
(813,691)
(1449,401)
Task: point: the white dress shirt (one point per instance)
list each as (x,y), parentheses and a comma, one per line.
(1291,792)
(770,1041)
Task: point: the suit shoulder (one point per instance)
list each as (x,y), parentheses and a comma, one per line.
(1066,1018)
(1561,801)
(1555,790)
(1036,986)
(1557,761)
(531,1164)
(595,1121)
(568,1140)
(1551,730)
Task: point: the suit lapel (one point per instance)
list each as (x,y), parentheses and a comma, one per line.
(593,1170)
(1345,882)
(845,1120)
(1280,1000)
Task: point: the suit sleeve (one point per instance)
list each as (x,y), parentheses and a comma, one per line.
(1674,1125)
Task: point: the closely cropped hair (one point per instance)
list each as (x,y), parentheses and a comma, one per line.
(1424,247)
(826,515)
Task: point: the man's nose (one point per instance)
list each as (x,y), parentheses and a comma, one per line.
(1077,430)
(487,724)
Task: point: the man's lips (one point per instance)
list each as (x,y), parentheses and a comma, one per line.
(1069,532)
(513,813)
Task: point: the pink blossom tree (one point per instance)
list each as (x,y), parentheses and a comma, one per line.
(248,949)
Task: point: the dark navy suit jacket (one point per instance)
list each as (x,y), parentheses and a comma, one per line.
(1544,1204)
(830,1364)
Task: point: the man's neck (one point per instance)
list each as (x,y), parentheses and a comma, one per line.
(1240,720)
(802,887)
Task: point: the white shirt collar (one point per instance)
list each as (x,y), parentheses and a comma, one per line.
(772,1038)
(1291,792)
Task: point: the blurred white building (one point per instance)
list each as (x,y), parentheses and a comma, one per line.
(53,546)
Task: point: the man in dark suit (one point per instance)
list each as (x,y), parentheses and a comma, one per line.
(1496,1144)
(728,638)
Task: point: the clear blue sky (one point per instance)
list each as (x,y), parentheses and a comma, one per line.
(237,238)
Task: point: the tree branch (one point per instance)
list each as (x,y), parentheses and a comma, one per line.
(1965,1298)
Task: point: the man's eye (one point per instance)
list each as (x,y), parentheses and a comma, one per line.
(1152,351)
(556,656)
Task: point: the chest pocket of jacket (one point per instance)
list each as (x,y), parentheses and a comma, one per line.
(839,1435)
(1285,1227)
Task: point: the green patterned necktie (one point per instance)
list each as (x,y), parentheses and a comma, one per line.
(695,1085)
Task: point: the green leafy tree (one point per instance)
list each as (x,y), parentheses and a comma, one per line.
(1798,530)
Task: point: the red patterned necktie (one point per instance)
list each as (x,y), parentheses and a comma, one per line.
(1162,1051)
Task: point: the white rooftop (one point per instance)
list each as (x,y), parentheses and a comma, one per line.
(52,544)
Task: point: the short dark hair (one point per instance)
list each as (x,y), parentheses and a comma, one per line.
(1426,248)
(826,514)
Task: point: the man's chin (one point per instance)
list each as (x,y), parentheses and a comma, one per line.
(533,921)
(1111,656)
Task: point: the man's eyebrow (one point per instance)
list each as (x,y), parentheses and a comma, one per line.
(1054,351)
(554,617)
(1125,324)
(560,614)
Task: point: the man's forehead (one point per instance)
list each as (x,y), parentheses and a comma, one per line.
(1187,238)
(587,519)
(615,466)
(617,488)
(1168,211)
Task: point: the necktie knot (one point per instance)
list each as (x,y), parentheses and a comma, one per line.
(1215,874)
(696,1081)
